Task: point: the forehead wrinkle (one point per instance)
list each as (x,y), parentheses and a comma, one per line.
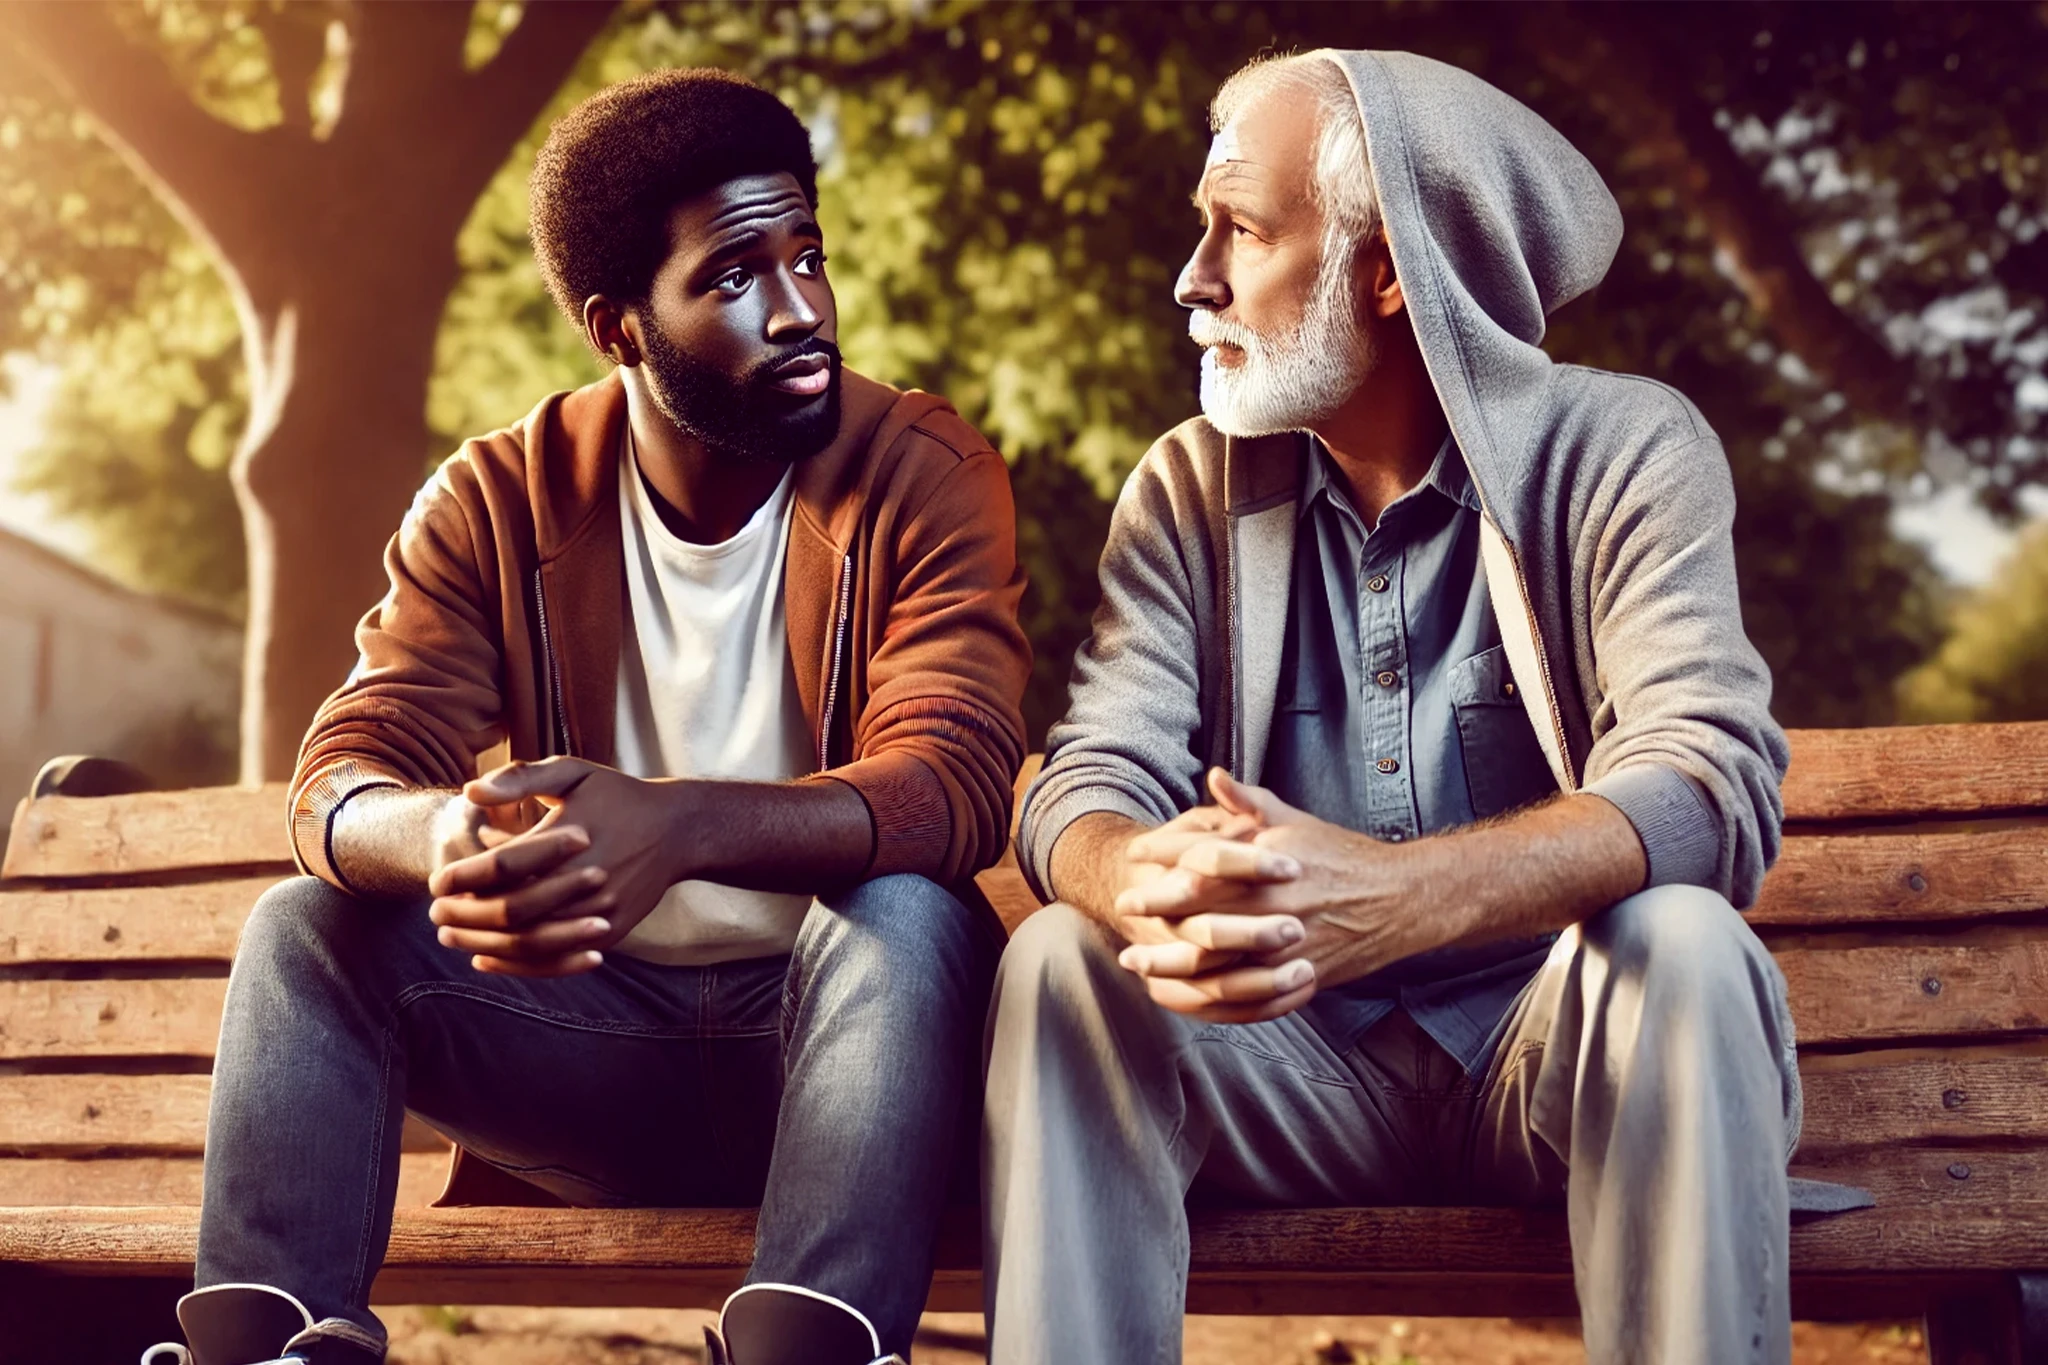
(735,232)
(1229,175)
(779,204)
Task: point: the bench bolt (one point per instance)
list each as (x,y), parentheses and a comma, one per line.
(1931,986)
(1952,1099)
(1958,1171)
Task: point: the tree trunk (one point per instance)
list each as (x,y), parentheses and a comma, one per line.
(341,255)
(337,447)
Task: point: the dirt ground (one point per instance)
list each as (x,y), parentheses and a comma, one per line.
(607,1336)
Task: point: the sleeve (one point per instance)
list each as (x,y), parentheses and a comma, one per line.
(423,698)
(1688,750)
(940,738)
(1128,741)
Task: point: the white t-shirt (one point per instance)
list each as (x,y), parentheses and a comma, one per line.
(706,689)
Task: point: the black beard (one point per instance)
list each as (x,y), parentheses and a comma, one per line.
(744,420)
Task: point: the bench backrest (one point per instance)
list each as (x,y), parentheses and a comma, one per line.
(1907,911)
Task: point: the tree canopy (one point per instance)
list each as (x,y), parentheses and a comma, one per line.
(1834,245)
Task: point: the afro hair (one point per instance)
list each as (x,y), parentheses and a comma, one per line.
(616,165)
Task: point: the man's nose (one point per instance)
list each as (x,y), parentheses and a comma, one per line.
(1202,283)
(793,317)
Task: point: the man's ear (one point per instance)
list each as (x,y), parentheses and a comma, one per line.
(605,328)
(1386,299)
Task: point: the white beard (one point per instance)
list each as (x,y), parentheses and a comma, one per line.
(1291,382)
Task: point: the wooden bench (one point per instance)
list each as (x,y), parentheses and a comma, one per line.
(1909,911)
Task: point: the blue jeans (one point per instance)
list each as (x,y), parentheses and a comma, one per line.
(835,1087)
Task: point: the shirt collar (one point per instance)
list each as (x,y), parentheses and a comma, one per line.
(1447,476)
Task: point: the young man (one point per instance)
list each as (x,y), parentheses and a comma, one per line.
(747,623)
(1454,632)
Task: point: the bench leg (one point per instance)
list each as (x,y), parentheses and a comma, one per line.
(83,1319)
(1977,1326)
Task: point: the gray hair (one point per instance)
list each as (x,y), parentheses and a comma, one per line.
(1341,185)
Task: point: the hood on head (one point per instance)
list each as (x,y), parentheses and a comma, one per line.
(1494,221)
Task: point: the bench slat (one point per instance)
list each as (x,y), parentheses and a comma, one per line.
(1861,1100)
(150,1180)
(1893,773)
(1892,878)
(170,1017)
(102,836)
(194,922)
(88,1113)
(1854,1101)
(1926,1219)
(1819,882)
(1844,995)
(1838,995)
(201,921)
(1912,771)
(65,1115)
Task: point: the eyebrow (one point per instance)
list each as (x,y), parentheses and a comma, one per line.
(1249,216)
(746,240)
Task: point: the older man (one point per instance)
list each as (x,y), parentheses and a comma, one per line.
(1454,632)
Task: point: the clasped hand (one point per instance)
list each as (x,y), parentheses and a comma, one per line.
(546,896)
(1239,911)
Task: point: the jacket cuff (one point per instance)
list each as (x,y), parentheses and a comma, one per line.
(913,820)
(1046,819)
(1680,833)
(319,799)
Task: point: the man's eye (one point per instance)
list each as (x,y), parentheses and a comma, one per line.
(811,264)
(733,283)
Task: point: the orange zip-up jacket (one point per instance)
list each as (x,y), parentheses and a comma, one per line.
(507,599)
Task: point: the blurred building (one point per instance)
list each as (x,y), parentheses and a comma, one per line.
(88,666)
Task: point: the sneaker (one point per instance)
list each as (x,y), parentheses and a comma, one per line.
(235,1324)
(785,1324)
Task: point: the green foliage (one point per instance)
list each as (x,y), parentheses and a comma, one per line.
(79,235)
(1004,194)
(139,436)
(1994,664)
(97,278)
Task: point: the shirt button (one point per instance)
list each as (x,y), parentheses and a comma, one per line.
(1388,765)
(1385,678)
(1396,837)
(1377,583)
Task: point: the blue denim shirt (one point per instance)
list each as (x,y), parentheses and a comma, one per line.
(1398,718)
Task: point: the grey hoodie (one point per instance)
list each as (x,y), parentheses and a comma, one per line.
(1606,511)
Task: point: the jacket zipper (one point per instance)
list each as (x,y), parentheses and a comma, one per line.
(558,722)
(839,628)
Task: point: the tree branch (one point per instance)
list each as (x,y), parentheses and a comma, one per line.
(403,58)
(509,92)
(217,179)
(407,88)
(297,41)
(1654,108)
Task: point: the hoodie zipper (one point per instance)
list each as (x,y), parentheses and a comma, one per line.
(839,628)
(558,722)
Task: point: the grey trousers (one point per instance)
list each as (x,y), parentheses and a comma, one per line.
(1646,1081)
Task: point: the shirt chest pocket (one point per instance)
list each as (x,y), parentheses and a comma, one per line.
(1504,765)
